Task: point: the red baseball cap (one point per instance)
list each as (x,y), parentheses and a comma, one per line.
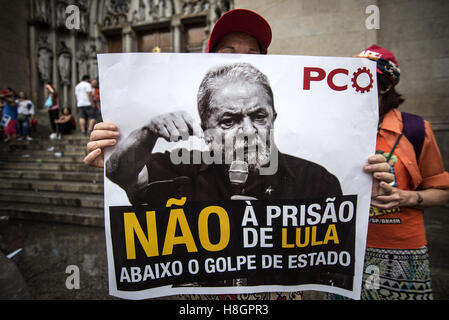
(241,20)
(386,61)
(375,52)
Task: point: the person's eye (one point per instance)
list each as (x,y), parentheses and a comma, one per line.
(227,122)
(260,117)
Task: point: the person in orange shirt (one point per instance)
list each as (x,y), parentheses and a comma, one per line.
(396,243)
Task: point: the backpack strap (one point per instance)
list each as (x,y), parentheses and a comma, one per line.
(415,131)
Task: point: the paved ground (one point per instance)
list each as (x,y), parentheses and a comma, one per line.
(49,248)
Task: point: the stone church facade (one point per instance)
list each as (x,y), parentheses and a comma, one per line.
(66,35)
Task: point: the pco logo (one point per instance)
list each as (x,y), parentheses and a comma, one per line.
(362,80)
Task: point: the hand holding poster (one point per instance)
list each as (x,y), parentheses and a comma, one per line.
(237,174)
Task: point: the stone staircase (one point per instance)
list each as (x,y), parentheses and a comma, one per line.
(46,180)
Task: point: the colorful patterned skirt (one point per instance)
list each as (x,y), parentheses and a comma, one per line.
(395,274)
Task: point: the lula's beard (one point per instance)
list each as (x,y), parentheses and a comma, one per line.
(254,150)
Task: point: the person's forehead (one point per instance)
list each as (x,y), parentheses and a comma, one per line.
(238,38)
(239,93)
(232,87)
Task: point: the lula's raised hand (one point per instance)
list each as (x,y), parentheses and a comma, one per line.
(172,126)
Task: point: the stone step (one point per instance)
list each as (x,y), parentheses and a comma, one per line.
(47,166)
(93,177)
(44,135)
(53,213)
(55,142)
(60,186)
(52,157)
(41,153)
(70,138)
(45,147)
(76,137)
(36,184)
(80,200)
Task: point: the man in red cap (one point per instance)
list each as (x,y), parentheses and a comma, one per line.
(237,31)
(240,31)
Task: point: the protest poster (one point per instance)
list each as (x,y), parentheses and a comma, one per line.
(237,173)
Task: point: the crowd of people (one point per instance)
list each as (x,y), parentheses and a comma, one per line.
(18,112)
(18,117)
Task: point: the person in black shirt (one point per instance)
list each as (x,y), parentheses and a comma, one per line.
(295,179)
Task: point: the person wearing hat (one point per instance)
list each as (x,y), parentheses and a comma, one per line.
(237,31)
(240,31)
(396,242)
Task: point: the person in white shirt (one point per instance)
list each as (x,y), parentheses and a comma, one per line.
(25,112)
(84,102)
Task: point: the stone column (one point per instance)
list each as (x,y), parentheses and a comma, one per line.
(33,67)
(129,39)
(54,48)
(72,99)
(177,36)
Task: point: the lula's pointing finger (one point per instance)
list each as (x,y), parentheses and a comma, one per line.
(196,128)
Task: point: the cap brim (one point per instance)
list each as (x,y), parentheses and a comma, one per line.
(241,20)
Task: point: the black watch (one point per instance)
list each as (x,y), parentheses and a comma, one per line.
(420,199)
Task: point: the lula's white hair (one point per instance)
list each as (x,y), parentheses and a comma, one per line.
(212,81)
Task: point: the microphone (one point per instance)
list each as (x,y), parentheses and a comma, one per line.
(238,174)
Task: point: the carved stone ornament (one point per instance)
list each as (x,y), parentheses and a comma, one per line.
(82,62)
(83,4)
(222,6)
(195,6)
(44,59)
(91,51)
(61,6)
(42,11)
(160,9)
(139,13)
(116,12)
(64,63)
(84,22)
